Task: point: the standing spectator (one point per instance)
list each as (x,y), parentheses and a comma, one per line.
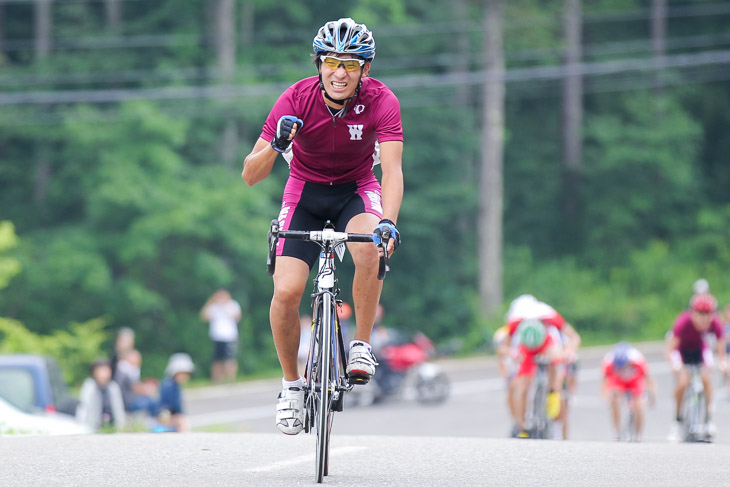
(177,374)
(101,404)
(137,395)
(123,343)
(223,314)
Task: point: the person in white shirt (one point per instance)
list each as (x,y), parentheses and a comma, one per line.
(223,313)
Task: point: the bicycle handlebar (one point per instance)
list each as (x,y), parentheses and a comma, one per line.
(323,237)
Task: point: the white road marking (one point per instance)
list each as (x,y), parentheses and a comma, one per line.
(290,462)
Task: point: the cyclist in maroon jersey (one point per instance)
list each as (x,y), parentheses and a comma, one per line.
(689,344)
(345,123)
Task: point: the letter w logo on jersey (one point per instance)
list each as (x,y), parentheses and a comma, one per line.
(355,132)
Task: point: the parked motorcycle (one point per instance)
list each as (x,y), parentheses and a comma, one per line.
(405,371)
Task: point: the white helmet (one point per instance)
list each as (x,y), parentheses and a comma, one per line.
(345,36)
(179,362)
(701,286)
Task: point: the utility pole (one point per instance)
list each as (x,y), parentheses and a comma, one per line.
(659,41)
(491,170)
(225,47)
(572,122)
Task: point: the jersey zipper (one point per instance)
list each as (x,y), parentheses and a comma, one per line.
(334,135)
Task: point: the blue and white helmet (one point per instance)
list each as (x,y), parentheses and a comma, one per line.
(345,36)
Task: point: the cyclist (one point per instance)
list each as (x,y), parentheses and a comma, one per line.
(625,371)
(506,366)
(570,368)
(344,122)
(556,348)
(688,345)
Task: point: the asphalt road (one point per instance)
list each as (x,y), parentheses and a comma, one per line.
(251,459)
(461,443)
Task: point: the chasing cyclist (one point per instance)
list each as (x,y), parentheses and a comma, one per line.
(625,371)
(345,123)
(689,344)
(536,329)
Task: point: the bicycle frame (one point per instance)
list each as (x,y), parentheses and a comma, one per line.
(325,374)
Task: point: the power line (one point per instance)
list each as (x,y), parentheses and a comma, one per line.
(408,30)
(62,2)
(420,99)
(400,82)
(412,62)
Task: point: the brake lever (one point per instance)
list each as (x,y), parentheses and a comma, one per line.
(383,264)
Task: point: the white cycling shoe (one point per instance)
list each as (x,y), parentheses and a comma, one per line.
(361,363)
(675,432)
(290,411)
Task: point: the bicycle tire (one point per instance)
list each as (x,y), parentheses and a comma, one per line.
(693,413)
(633,432)
(324,403)
(539,411)
(701,418)
(686,416)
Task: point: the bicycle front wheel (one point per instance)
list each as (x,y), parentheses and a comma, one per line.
(324,402)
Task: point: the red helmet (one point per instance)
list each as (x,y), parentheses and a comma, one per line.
(704,303)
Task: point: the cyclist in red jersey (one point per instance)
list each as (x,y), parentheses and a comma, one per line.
(688,344)
(551,344)
(625,371)
(345,123)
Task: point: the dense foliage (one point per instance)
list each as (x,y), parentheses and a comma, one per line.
(128,213)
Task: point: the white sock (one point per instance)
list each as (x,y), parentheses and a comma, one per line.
(288,384)
(360,342)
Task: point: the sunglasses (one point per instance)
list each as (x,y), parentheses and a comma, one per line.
(333,62)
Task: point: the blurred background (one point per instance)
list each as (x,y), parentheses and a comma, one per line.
(577,151)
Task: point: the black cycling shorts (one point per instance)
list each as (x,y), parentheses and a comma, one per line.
(692,357)
(307,206)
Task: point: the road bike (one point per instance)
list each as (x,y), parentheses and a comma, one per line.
(694,408)
(629,426)
(537,422)
(326,378)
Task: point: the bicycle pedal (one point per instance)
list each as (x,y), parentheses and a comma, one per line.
(358,379)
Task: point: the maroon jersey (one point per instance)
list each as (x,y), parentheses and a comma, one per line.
(689,338)
(330,149)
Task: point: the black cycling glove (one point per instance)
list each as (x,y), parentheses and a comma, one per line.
(283,130)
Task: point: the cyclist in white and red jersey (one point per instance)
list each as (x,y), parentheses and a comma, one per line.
(625,371)
(688,345)
(345,123)
(527,309)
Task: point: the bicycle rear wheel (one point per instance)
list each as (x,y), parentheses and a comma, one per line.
(691,416)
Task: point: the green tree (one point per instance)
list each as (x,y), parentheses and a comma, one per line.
(641,175)
(9,266)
